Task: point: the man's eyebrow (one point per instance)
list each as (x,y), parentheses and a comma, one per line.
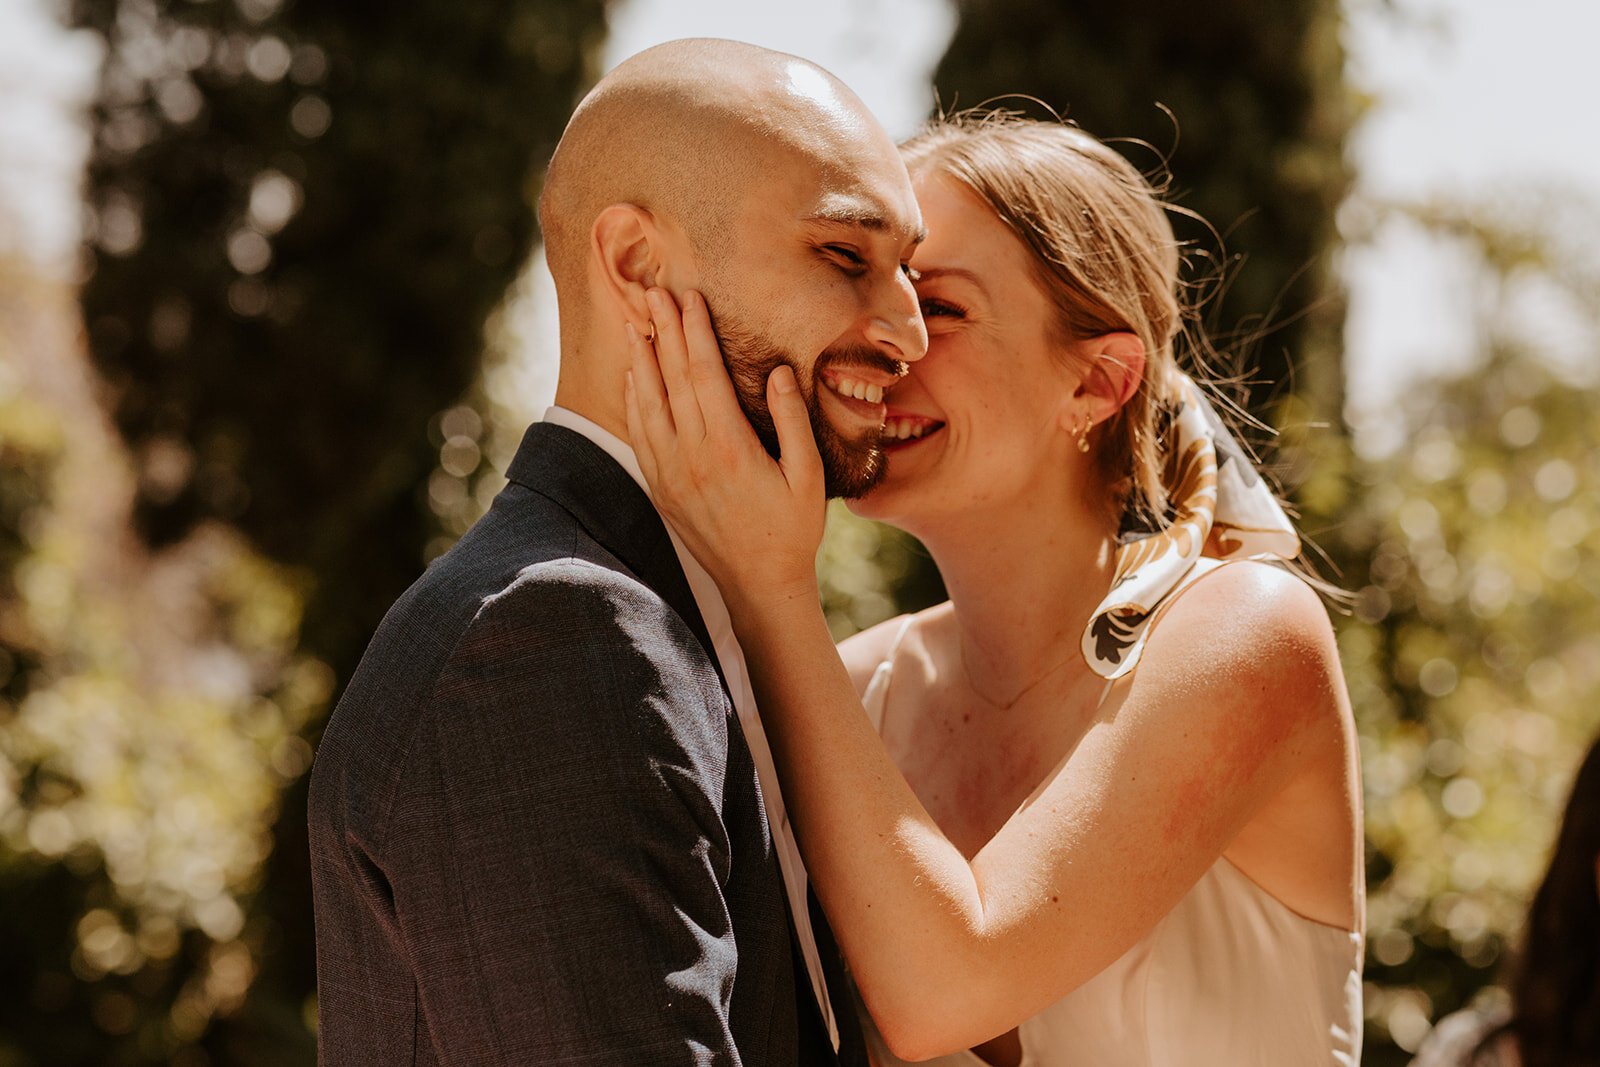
(850,216)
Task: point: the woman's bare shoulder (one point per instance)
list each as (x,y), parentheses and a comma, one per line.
(1244,602)
(863,652)
(1253,625)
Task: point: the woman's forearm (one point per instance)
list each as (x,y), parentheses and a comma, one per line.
(906,906)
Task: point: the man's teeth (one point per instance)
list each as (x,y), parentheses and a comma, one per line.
(907,429)
(872,394)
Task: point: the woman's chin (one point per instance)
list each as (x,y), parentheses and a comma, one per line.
(894,498)
(861,507)
(885,502)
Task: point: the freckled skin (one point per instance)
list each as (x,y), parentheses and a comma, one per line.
(972,767)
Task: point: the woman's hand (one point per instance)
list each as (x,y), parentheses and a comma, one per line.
(753,523)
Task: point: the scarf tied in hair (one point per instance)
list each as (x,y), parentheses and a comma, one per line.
(1221,509)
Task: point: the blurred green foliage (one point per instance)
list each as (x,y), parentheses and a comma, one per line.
(869,572)
(150,711)
(1473,653)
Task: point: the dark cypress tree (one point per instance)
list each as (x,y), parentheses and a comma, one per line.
(303,217)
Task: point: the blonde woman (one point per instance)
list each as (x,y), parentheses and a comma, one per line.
(1102,806)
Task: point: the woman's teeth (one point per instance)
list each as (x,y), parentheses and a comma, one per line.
(907,429)
(872,394)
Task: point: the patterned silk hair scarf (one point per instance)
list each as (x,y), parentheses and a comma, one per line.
(1221,509)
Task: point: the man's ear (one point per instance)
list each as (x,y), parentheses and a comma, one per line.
(626,243)
(1116,367)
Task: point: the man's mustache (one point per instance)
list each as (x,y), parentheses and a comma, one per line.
(862,356)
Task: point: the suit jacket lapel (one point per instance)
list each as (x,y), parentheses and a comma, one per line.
(577,474)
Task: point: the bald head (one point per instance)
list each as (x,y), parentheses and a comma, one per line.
(689,130)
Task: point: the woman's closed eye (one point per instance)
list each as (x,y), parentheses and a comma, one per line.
(933,307)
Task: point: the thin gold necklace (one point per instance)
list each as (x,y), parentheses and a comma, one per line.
(1009,704)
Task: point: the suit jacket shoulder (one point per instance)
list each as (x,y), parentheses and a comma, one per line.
(580,666)
(535,824)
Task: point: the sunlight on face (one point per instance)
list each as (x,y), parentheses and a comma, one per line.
(977,422)
(814,278)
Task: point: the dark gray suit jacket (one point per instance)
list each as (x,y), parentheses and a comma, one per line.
(537,834)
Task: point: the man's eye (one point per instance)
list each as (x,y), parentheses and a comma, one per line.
(932,308)
(850,256)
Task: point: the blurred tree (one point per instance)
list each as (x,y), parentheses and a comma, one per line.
(1473,656)
(140,766)
(1254,142)
(300,215)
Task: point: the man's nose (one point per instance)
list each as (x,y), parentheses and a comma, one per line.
(896,321)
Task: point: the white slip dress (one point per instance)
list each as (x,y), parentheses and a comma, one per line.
(1230,977)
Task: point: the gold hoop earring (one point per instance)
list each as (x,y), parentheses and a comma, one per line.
(1083,436)
(649,334)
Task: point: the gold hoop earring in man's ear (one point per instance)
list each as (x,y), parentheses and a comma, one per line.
(1083,435)
(649,332)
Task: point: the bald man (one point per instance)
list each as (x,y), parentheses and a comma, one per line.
(544,823)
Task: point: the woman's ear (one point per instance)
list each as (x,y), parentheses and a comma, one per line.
(626,243)
(1116,367)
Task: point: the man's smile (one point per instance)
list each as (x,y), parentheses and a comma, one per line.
(859,391)
(857,388)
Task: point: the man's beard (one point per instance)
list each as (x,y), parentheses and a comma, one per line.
(851,466)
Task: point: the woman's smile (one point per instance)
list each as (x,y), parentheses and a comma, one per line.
(904,429)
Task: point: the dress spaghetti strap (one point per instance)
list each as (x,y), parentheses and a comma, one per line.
(876,696)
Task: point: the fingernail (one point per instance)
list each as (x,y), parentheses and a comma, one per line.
(628,385)
(633,338)
(785,383)
(656,297)
(690,299)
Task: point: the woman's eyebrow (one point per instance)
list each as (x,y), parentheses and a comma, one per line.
(929,273)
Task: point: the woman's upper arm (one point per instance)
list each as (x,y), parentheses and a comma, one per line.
(1236,686)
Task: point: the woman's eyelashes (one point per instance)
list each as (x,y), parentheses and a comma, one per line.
(933,307)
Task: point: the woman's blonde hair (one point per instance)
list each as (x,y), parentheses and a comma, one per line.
(1104,253)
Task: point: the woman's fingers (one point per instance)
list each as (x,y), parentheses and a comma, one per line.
(671,351)
(649,417)
(797,446)
(718,402)
(641,440)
